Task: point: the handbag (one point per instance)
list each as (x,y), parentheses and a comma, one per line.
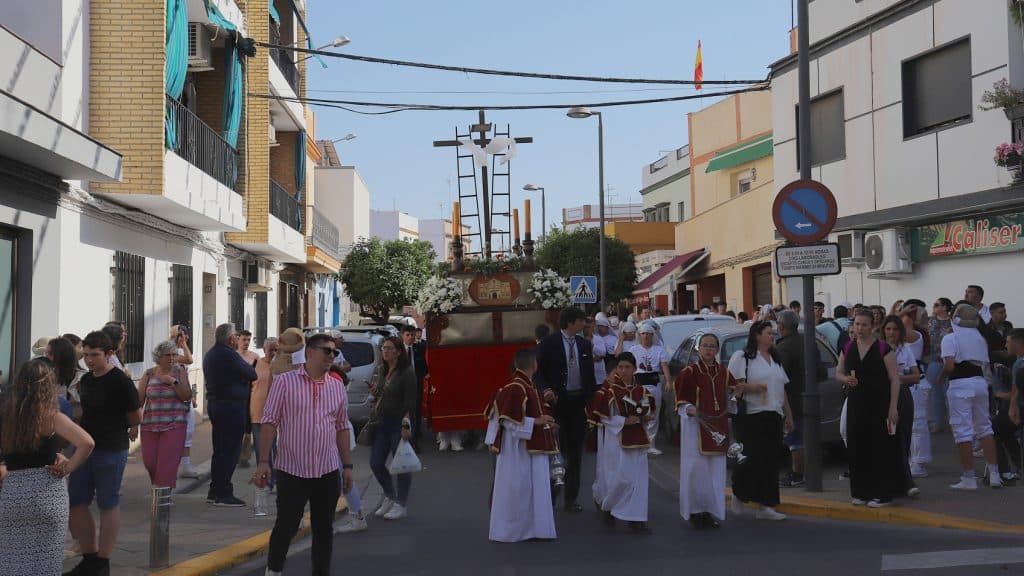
(405,460)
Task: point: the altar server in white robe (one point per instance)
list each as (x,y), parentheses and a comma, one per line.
(524,438)
(623,406)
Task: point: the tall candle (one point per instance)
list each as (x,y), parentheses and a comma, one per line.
(456,220)
(515,220)
(529,229)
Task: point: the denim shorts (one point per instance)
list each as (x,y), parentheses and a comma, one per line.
(795,439)
(100,475)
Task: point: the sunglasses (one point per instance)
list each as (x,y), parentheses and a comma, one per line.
(326,350)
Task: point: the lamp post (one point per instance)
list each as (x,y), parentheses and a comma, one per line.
(543,209)
(581,112)
(346,137)
(336,43)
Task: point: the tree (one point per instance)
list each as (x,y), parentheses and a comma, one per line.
(576,253)
(381,277)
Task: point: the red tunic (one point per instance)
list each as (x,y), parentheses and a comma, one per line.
(631,400)
(707,388)
(516,401)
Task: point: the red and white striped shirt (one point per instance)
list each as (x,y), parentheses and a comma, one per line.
(308,415)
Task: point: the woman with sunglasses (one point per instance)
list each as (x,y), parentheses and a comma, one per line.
(395,389)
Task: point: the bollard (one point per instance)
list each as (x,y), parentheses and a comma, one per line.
(159,527)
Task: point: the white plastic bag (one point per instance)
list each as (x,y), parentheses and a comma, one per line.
(405,460)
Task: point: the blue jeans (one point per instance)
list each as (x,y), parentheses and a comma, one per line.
(228,419)
(256,427)
(939,410)
(385,442)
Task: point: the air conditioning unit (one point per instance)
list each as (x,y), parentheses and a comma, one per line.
(887,253)
(199,51)
(851,247)
(258,277)
(273,135)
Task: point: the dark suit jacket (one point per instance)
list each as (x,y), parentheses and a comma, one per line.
(552,368)
(419,357)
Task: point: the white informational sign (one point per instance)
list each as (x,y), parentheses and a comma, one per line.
(809,260)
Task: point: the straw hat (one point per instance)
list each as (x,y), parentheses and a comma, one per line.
(39,348)
(291,341)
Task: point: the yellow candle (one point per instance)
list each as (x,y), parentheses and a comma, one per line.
(529,229)
(456,220)
(515,220)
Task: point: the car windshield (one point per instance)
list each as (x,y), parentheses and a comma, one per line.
(357,353)
(674,332)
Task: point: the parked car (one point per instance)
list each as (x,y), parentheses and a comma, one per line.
(734,337)
(361,349)
(675,329)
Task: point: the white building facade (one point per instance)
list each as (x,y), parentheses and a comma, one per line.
(438,231)
(898,136)
(394,225)
(666,187)
(589,215)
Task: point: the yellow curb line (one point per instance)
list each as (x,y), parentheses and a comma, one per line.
(213,562)
(891,515)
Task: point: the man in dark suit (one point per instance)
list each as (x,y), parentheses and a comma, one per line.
(565,377)
(417,351)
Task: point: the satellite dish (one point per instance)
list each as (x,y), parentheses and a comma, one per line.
(873,253)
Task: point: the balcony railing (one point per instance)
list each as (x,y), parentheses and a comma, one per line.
(200,145)
(284,206)
(325,235)
(283,58)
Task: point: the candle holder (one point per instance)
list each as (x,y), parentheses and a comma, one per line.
(528,248)
(457,263)
(517,249)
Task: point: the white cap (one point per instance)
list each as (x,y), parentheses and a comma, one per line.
(602,322)
(600,316)
(629,327)
(647,328)
(614,321)
(631,318)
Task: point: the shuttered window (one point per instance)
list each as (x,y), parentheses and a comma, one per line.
(130,301)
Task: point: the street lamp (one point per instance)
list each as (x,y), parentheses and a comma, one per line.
(336,43)
(582,112)
(543,209)
(346,137)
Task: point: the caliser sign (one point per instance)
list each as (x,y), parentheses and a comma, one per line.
(982,235)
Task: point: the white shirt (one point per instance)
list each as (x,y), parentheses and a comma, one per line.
(761,371)
(965,344)
(649,359)
(916,348)
(905,360)
(985,314)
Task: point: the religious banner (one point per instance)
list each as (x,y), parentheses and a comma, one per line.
(981,235)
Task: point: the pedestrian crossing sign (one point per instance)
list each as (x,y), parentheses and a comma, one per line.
(584,289)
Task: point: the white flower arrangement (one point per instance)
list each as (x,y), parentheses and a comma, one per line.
(440,295)
(549,289)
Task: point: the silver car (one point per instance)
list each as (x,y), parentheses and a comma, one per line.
(675,329)
(361,350)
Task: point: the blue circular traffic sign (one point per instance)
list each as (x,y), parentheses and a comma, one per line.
(804,212)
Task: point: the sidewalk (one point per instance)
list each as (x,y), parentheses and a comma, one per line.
(197,528)
(937,506)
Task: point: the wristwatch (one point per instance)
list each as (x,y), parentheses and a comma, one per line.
(346,466)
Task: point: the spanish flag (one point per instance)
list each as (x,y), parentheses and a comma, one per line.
(698,69)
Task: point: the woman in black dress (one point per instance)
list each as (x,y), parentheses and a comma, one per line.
(867,368)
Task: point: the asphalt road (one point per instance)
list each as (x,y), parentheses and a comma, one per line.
(446,534)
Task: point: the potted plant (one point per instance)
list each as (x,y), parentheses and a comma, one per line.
(1009,156)
(1004,96)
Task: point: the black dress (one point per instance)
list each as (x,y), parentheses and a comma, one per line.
(872,452)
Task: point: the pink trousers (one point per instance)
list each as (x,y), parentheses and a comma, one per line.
(161,453)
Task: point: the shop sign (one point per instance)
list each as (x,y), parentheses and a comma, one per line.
(982,235)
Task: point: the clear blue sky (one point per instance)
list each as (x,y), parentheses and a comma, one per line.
(394,152)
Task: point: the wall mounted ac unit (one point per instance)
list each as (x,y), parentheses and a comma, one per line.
(887,253)
(273,136)
(851,247)
(258,278)
(199,51)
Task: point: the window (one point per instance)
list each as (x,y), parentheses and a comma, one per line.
(682,212)
(236,303)
(828,129)
(181,296)
(937,88)
(662,212)
(129,302)
(8,304)
(743,182)
(357,353)
(260,325)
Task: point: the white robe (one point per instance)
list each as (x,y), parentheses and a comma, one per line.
(521,501)
(622,474)
(701,477)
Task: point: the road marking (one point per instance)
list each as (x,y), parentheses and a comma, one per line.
(952,558)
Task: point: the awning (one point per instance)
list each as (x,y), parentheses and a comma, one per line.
(741,154)
(696,270)
(33,137)
(682,262)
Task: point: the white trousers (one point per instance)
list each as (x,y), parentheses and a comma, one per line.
(920,437)
(652,426)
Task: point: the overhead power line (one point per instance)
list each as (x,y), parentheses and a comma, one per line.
(467,70)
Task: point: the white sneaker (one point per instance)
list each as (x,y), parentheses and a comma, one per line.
(397,512)
(736,507)
(457,445)
(652,451)
(995,481)
(187,472)
(769,513)
(384,508)
(918,471)
(913,492)
(965,483)
(878,503)
(858,501)
(442,446)
(351,523)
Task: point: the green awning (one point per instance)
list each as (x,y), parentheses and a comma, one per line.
(741,154)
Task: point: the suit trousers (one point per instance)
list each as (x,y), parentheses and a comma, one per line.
(228,419)
(293,493)
(572,429)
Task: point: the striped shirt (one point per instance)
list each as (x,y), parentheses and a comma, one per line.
(308,414)
(164,410)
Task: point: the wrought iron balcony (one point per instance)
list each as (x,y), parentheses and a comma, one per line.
(325,235)
(284,206)
(201,145)
(284,61)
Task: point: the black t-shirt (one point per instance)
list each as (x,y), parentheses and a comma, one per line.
(106,402)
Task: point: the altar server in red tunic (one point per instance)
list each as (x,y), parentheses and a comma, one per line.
(702,392)
(623,407)
(523,437)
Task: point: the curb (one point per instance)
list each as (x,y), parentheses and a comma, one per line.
(816,508)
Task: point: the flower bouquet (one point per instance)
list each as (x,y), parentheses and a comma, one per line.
(549,289)
(440,295)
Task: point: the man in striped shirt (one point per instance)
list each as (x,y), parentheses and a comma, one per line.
(308,411)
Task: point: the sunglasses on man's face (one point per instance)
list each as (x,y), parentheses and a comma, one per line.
(326,350)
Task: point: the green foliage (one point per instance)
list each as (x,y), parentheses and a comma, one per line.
(576,254)
(1017,11)
(381,277)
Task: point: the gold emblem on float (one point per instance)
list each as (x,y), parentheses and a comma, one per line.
(498,290)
